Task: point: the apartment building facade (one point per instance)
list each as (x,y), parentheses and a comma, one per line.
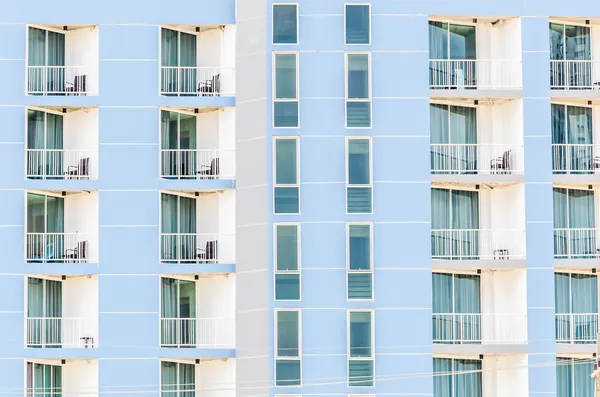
(299,198)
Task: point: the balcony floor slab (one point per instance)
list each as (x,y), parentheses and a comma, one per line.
(196,353)
(476,94)
(483,348)
(61,268)
(576,94)
(586,263)
(580,179)
(444,264)
(573,348)
(488,179)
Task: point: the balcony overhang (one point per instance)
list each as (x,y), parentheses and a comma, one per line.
(480,348)
(480,94)
(476,264)
(468,180)
(576,263)
(576,348)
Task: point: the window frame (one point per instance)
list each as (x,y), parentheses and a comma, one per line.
(371,260)
(286,358)
(179,30)
(453,373)
(347,165)
(346,5)
(368,100)
(348,356)
(178,362)
(297,184)
(276,271)
(273,23)
(274,87)
(453,22)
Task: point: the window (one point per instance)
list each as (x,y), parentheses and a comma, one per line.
(452,55)
(285,90)
(287,186)
(359,187)
(287,262)
(44,311)
(285,23)
(574,224)
(178,53)
(360,348)
(456,308)
(45,228)
(45,154)
(178,231)
(573,377)
(45,61)
(177,379)
(453,139)
(570,55)
(456,377)
(576,304)
(288,348)
(358,29)
(360,254)
(572,140)
(178,144)
(358,90)
(177,312)
(44,380)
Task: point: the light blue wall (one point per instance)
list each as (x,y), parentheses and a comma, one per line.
(128,271)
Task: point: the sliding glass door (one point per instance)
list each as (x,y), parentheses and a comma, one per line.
(46,61)
(576,301)
(574,224)
(178,312)
(44,145)
(44,312)
(45,227)
(570,44)
(178,144)
(455,224)
(572,139)
(44,380)
(178,61)
(177,379)
(573,377)
(453,139)
(178,227)
(452,51)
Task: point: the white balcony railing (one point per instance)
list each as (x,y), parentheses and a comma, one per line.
(479,328)
(61,164)
(574,74)
(61,80)
(470,159)
(471,244)
(197,332)
(61,332)
(197,81)
(577,327)
(197,164)
(576,243)
(197,248)
(475,74)
(576,158)
(61,247)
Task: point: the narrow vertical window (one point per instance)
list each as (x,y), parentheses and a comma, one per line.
(287,186)
(285,87)
(358,24)
(360,270)
(360,349)
(287,348)
(287,262)
(358,176)
(358,90)
(285,23)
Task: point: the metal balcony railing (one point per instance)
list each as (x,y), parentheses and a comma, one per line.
(61,332)
(576,243)
(475,74)
(61,247)
(197,248)
(61,164)
(197,81)
(473,328)
(197,164)
(62,80)
(473,244)
(574,74)
(575,159)
(577,328)
(197,332)
(476,159)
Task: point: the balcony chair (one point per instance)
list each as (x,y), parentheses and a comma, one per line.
(78,254)
(501,165)
(209,172)
(80,171)
(209,253)
(78,86)
(212,86)
(501,253)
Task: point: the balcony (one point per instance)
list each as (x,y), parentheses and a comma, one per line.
(62,60)
(477,142)
(577,328)
(197,61)
(62,143)
(62,227)
(60,377)
(197,228)
(197,144)
(478,328)
(478,228)
(471,54)
(62,312)
(197,313)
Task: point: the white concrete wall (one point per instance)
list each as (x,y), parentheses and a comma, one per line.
(81,133)
(228,47)
(501,41)
(505,375)
(215,212)
(207,127)
(216,296)
(500,123)
(215,378)
(502,208)
(504,292)
(81,216)
(208,44)
(80,377)
(82,49)
(80,300)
